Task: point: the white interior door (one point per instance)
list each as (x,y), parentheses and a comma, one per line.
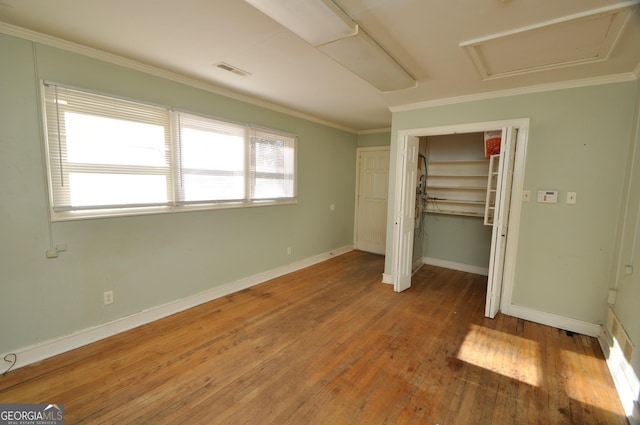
(371,200)
(501,221)
(405,216)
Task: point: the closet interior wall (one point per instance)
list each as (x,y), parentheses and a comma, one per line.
(444,234)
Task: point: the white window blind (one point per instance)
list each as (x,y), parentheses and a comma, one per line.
(109,156)
(211,159)
(273,165)
(106,152)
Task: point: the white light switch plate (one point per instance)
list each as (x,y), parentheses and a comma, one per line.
(548,196)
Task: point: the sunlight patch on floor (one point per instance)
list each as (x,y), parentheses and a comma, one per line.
(508,355)
(584,377)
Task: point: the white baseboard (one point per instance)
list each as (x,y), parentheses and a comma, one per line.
(388,278)
(626,381)
(624,377)
(483,271)
(35,353)
(555,320)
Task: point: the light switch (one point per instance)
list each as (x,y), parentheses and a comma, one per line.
(571,197)
(548,196)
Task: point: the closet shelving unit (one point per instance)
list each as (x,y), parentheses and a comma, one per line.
(458,187)
(492,185)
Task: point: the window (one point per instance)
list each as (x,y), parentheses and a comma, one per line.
(272,165)
(211,158)
(109,156)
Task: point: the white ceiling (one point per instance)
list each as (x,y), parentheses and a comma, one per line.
(189,37)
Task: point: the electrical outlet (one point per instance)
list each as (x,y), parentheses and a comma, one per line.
(108,297)
(289,250)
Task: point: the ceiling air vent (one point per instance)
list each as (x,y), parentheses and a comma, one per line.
(230,68)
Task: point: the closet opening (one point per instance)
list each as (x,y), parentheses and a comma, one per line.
(457,203)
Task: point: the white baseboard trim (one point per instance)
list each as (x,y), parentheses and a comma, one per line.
(624,377)
(387,278)
(483,271)
(626,382)
(555,320)
(35,353)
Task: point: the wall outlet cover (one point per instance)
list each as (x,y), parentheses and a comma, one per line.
(108,297)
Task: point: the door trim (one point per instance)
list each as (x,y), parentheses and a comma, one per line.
(522,125)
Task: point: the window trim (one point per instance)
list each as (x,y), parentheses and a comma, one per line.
(174,204)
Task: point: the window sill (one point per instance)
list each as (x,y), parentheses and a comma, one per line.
(59,216)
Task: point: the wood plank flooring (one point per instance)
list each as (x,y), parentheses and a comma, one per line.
(331,344)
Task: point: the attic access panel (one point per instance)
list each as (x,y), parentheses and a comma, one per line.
(573,40)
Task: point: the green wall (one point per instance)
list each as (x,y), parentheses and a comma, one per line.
(460,239)
(371,140)
(578,141)
(628,285)
(146,260)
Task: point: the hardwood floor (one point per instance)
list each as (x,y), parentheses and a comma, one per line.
(331,344)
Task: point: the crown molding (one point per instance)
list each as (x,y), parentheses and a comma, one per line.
(585,82)
(62,44)
(375,131)
(114,59)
